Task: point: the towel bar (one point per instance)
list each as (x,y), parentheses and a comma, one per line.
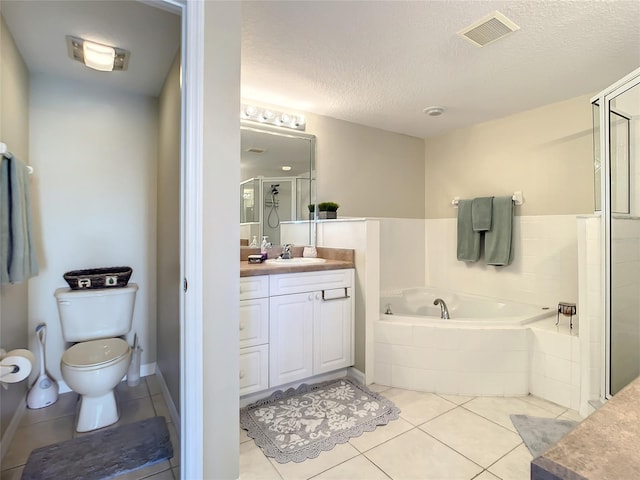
(517,197)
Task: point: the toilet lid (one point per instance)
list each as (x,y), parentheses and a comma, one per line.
(95,352)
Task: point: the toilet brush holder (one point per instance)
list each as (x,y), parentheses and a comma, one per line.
(133,374)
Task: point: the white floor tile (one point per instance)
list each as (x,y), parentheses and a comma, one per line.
(418,407)
(381,434)
(516,465)
(486,475)
(473,436)
(254,465)
(12,474)
(571,415)
(64,406)
(374,387)
(554,408)
(34,436)
(358,468)
(416,455)
(314,466)
(498,409)
(457,399)
(243,436)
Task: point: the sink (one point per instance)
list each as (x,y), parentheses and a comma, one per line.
(295,261)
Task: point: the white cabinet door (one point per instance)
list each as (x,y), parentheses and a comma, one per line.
(254,369)
(290,338)
(254,322)
(332,330)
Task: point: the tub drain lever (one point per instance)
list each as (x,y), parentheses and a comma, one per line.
(567,309)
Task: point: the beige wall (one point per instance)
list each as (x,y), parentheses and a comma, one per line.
(221,271)
(546,153)
(14,131)
(367,171)
(96,197)
(168,241)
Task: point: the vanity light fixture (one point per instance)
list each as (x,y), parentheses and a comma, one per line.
(272,117)
(96,55)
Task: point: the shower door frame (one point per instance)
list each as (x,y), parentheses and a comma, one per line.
(628,82)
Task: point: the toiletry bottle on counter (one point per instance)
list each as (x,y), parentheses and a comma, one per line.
(254,242)
(264,244)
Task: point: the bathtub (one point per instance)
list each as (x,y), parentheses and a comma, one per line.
(483,349)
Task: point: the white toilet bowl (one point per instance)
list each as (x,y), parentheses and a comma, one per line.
(93,369)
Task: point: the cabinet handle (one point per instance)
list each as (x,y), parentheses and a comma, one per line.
(241,374)
(346,295)
(311,296)
(242,326)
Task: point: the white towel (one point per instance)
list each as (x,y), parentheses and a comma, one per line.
(17,253)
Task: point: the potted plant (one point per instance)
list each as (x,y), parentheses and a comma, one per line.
(328,210)
(312,209)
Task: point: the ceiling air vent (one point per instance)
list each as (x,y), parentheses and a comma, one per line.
(488,29)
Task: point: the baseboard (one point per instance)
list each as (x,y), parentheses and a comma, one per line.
(173,411)
(357,375)
(12,427)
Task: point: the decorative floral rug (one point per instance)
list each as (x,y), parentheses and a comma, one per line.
(301,423)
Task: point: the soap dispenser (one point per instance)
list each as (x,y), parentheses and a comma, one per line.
(254,242)
(264,244)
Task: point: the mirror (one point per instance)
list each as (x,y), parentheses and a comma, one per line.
(277,184)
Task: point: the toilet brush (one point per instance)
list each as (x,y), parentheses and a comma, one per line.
(44,391)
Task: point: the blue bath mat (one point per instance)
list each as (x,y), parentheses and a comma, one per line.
(104,454)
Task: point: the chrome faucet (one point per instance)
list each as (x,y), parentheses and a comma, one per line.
(286,252)
(444,311)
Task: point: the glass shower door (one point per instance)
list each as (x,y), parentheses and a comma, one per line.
(623,211)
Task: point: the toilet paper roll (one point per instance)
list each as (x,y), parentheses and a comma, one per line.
(15,368)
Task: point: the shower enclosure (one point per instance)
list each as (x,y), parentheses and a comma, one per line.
(616,114)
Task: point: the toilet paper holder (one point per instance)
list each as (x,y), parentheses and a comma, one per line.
(568,309)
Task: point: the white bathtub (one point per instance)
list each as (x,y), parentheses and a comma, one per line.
(417,305)
(482,349)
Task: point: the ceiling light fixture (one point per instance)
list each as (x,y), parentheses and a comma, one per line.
(272,117)
(434,111)
(286,168)
(96,55)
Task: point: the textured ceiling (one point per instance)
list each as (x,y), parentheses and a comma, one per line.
(381,63)
(377,63)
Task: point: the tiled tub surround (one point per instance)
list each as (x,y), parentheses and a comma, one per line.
(544,270)
(482,361)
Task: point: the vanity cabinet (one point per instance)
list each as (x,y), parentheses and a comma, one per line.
(311,324)
(294,326)
(254,334)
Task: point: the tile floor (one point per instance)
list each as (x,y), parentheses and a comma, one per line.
(56,423)
(436,437)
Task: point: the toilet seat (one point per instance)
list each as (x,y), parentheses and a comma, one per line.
(95,353)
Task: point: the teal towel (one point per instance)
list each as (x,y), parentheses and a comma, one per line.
(481,213)
(468,240)
(17,253)
(498,242)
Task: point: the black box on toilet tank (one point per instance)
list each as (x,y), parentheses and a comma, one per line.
(110,277)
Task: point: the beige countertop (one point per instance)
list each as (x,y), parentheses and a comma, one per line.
(606,445)
(335,259)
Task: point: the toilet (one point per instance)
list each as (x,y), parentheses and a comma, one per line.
(94,320)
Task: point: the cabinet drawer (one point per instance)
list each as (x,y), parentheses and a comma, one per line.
(254,369)
(287,283)
(254,287)
(254,322)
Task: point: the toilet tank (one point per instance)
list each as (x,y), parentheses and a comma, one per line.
(93,314)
